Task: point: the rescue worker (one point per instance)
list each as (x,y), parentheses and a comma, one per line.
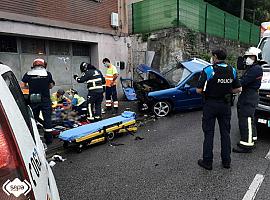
(58,98)
(248,100)
(40,81)
(94,79)
(78,103)
(216,83)
(111,92)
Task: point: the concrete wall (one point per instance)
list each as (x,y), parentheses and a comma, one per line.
(63,67)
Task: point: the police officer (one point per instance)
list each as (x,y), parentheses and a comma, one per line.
(95,80)
(40,81)
(248,100)
(217,82)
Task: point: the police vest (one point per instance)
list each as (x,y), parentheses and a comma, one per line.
(219,80)
(94,82)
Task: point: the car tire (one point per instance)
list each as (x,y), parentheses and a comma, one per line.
(161,108)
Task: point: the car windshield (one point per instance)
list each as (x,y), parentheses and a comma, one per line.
(176,74)
(265,47)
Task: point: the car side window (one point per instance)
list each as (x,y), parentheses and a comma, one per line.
(16,92)
(193,81)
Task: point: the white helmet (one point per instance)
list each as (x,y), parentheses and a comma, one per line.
(253,51)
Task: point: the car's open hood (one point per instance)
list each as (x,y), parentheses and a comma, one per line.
(143,69)
(193,65)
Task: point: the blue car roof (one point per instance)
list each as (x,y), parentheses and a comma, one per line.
(195,64)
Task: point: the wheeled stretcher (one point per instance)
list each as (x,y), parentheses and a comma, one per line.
(99,131)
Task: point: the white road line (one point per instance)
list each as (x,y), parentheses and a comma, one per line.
(268,155)
(254,187)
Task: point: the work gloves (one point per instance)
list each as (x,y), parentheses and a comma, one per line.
(75,77)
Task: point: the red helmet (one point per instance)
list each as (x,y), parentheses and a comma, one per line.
(39,62)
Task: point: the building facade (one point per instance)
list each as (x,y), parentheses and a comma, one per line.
(64,33)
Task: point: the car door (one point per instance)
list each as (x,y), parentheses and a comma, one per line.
(186,96)
(29,145)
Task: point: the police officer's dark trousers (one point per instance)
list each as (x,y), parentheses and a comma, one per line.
(94,100)
(46,108)
(246,106)
(216,109)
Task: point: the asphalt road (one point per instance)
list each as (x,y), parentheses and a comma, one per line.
(162,166)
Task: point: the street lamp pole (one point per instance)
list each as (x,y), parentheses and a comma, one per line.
(242,9)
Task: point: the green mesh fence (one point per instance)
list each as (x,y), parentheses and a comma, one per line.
(255,34)
(152,15)
(231,27)
(215,21)
(244,31)
(192,14)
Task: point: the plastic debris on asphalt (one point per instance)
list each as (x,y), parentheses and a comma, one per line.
(58,158)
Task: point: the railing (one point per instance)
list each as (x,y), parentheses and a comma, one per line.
(152,15)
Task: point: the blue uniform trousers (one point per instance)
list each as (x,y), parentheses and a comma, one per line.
(246,106)
(216,109)
(46,108)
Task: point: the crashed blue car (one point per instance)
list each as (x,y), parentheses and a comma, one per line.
(174,89)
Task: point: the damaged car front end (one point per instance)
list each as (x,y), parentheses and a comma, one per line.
(174,89)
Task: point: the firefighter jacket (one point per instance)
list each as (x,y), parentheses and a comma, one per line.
(94,80)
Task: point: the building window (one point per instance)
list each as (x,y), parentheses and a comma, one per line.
(8,44)
(59,48)
(80,49)
(33,46)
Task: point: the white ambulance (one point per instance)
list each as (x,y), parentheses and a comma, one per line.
(262,113)
(24,170)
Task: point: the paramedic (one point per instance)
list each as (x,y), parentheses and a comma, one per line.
(217,82)
(94,79)
(58,98)
(248,100)
(39,81)
(78,103)
(111,92)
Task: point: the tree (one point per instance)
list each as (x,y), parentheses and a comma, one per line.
(260,7)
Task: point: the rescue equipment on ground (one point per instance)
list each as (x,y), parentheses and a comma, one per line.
(128,89)
(102,131)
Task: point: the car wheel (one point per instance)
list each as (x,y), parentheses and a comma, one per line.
(162,108)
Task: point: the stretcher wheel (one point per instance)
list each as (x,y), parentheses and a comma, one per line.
(65,145)
(110,136)
(79,148)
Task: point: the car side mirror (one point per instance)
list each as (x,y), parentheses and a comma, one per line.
(240,63)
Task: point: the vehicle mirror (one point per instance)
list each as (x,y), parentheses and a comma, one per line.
(240,63)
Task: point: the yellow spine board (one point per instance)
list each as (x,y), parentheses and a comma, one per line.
(110,129)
